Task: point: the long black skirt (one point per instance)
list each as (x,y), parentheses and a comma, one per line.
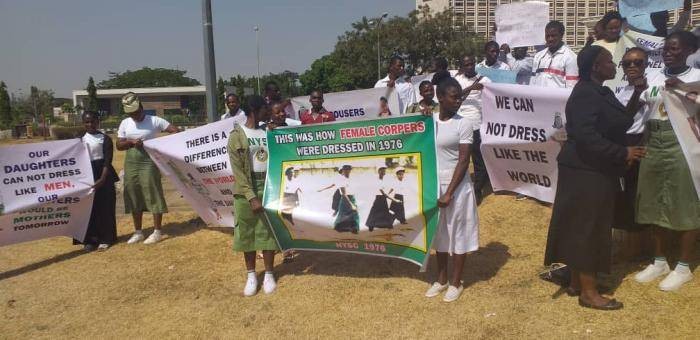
(102,227)
(398,209)
(582,217)
(379,215)
(336,200)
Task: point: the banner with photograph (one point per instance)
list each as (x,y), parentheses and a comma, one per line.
(651,44)
(45,191)
(352,105)
(524,29)
(521,134)
(366,187)
(197,163)
(683,108)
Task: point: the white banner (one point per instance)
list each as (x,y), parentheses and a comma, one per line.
(352,105)
(521,134)
(653,45)
(197,163)
(684,112)
(45,191)
(521,23)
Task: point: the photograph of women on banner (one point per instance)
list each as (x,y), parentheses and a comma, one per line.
(371,198)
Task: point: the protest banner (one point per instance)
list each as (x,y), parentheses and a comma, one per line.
(498,76)
(521,23)
(197,163)
(352,105)
(636,7)
(307,210)
(521,134)
(683,108)
(651,44)
(45,191)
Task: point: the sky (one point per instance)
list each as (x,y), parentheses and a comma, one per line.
(57,45)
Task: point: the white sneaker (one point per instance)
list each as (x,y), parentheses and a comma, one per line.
(675,280)
(154,238)
(269,284)
(453,293)
(652,272)
(435,289)
(103,247)
(135,238)
(251,286)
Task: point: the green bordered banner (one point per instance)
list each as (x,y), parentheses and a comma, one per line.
(365,187)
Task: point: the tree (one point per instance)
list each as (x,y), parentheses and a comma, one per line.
(418,38)
(147,77)
(221,90)
(5,107)
(91,100)
(67,108)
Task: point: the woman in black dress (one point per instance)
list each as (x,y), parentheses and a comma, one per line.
(379,215)
(591,162)
(102,229)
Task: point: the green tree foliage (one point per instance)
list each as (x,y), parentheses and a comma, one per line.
(30,108)
(67,108)
(288,82)
(220,100)
(5,108)
(91,100)
(418,37)
(147,77)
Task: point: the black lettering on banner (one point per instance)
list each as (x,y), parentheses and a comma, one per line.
(526,177)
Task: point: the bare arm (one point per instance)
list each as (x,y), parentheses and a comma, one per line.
(172,129)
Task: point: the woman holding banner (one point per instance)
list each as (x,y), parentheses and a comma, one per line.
(458,224)
(248,154)
(143,190)
(666,194)
(102,228)
(590,164)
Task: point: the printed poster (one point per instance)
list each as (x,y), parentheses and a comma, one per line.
(45,191)
(521,135)
(366,187)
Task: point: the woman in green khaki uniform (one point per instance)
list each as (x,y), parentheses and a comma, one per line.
(247,150)
(143,190)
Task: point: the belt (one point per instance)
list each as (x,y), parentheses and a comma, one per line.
(659,125)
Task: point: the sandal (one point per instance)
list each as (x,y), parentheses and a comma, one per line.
(611,305)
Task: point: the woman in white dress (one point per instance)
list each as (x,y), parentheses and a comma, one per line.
(458,225)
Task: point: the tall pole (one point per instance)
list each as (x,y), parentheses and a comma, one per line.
(379,56)
(209,64)
(257,46)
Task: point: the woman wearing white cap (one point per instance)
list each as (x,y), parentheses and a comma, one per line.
(379,215)
(348,219)
(143,190)
(458,224)
(399,187)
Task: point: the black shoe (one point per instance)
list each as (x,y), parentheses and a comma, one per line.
(611,305)
(89,247)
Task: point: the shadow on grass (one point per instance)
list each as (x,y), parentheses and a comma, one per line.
(41,264)
(173,230)
(479,266)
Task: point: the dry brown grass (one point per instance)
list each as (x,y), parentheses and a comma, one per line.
(189,286)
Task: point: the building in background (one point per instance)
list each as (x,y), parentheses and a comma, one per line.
(186,100)
(578,16)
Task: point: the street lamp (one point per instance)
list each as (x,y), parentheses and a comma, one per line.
(379,57)
(257,44)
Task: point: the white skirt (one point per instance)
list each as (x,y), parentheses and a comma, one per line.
(458,223)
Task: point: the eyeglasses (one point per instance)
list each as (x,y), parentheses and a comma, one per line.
(636,62)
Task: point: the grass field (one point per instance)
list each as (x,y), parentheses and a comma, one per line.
(189,286)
